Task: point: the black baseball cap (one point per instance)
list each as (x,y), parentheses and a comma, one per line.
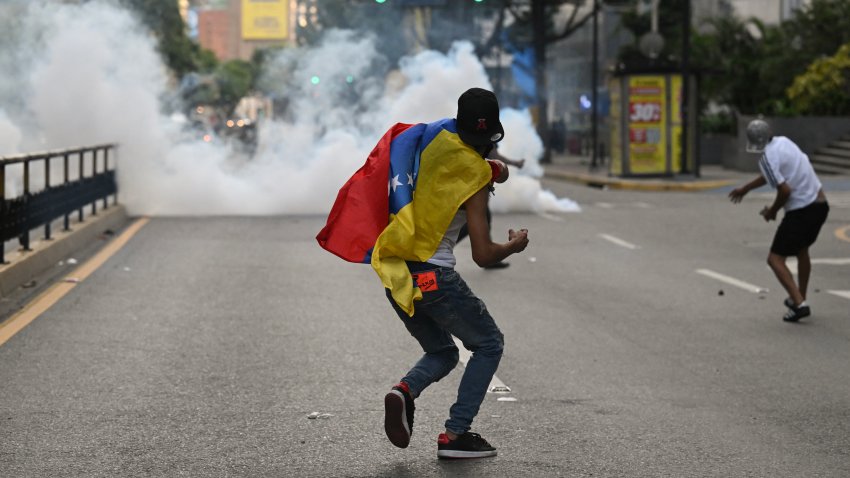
(478,118)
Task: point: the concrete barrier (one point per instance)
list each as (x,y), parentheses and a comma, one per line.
(24,266)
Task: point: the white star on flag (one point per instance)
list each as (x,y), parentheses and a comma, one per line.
(409,179)
(395,182)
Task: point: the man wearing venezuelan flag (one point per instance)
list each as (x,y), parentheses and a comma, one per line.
(402,212)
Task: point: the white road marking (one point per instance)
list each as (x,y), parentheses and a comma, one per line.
(618,241)
(496,385)
(845,261)
(605,205)
(841,293)
(732,281)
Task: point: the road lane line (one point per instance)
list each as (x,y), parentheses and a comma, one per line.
(840,293)
(732,281)
(793,265)
(52,295)
(618,241)
(495,384)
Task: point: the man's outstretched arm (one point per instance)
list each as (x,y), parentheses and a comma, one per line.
(738,194)
(485,252)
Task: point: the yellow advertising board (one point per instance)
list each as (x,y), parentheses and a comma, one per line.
(265,19)
(647,124)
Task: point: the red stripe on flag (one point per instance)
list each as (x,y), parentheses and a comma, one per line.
(361,210)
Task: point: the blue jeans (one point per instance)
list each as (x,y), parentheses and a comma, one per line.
(452,309)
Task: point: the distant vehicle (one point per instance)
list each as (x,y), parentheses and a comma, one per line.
(242,134)
(182,130)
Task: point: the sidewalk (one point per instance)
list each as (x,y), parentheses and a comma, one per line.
(577,169)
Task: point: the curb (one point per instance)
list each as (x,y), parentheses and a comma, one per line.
(46,254)
(638,185)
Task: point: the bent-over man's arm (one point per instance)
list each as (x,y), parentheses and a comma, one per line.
(738,194)
(484,251)
(783,192)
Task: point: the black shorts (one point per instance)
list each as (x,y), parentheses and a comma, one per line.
(799,229)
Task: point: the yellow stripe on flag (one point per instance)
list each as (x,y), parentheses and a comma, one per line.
(450,172)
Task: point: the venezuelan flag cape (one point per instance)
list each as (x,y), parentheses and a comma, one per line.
(398,205)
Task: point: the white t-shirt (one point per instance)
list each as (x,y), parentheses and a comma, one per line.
(444,256)
(784,162)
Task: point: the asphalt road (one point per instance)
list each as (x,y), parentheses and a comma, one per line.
(202,346)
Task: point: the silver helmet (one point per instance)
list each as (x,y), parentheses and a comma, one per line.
(759,134)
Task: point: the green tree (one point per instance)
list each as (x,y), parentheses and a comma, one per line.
(824,89)
(750,66)
(234,79)
(180,53)
(670,17)
(730,58)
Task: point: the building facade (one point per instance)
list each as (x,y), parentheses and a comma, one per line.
(235,29)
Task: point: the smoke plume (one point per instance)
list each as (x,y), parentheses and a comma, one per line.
(84,74)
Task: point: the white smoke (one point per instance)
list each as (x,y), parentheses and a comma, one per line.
(89,74)
(10,135)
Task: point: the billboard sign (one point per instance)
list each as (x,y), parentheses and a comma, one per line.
(647,124)
(265,19)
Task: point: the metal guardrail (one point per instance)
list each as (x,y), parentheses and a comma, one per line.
(93,179)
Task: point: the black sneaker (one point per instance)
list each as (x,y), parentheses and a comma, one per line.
(796,313)
(788,303)
(498,265)
(398,417)
(468,445)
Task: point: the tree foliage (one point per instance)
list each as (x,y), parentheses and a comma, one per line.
(752,66)
(205,79)
(729,60)
(671,15)
(521,29)
(235,79)
(179,52)
(824,89)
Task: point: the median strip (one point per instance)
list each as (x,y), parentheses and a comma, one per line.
(53,294)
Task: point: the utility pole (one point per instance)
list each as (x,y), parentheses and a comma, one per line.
(686,80)
(538,25)
(594,94)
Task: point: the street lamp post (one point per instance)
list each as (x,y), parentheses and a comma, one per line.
(686,67)
(594,75)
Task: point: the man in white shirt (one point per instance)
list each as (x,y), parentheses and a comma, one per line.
(787,170)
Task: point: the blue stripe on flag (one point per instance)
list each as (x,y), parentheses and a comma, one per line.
(403,154)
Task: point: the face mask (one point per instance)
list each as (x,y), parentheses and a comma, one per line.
(486,150)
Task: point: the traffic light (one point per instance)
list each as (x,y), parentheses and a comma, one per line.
(314,80)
